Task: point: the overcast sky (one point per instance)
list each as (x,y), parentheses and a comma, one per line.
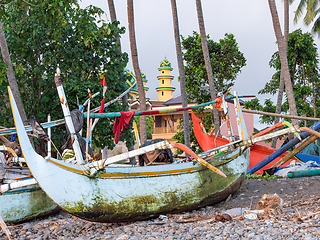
(249,20)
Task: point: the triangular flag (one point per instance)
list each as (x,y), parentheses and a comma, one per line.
(103,82)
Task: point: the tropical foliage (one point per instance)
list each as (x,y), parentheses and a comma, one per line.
(150,125)
(303,63)
(60,33)
(226,62)
(311,14)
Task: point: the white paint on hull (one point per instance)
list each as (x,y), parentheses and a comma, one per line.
(122,188)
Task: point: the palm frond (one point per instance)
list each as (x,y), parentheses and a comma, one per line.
(311,9)
(316,27)
(299,10)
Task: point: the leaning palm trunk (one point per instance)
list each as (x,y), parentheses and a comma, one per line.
(207,63)
(10,73)
(181,73)
(113,16)
(135,63)
(281,84)
(283,60)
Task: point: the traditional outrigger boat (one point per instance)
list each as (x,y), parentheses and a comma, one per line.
(106,192)
(260,153)
(21,198)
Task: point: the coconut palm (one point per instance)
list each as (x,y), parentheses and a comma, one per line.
(207,62)
(135,63)
(312,13)
(113,16)
(312,10)
(281,84)
(10,74)
(181,73)
(283,60)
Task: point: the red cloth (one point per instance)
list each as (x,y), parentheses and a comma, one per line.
(102,106)
(218,103)
(121,123)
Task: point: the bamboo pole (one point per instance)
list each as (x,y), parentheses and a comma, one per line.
(155,112)
(296,150)
(49,134)
(67,115)
(5,228)
(7,187)
(88,126)
(280,115)
(197,158)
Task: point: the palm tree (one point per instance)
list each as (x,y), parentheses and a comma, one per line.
(283,60)
(281,84)
(113,16)
(207,62)
(135,63)
(312,11)
(181,73)
(10,74)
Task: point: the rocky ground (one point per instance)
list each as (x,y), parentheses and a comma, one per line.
(299,218)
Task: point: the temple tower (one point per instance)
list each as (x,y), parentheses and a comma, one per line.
(165,89)
(134,94)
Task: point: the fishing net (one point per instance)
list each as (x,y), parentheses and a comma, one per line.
(77,119)
(37,129)
(82,143)
(159,155)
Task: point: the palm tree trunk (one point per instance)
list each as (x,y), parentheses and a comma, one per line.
(135,63)
(10,74)
(113,16)
(181,73)
(281,84)
(207,63)
(283,60)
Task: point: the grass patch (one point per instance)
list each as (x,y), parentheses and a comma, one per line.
(267,176)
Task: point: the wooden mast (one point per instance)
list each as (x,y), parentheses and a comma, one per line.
(67,116)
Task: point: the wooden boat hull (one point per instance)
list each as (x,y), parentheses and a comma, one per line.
(24,204)
(133,193)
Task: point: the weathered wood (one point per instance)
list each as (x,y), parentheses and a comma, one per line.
(295,151)
(7,187)
(280,115)
(5,228)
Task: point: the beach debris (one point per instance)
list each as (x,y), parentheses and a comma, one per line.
(222,217)
(163,217)
(235,211)
(250,216)
(270,204)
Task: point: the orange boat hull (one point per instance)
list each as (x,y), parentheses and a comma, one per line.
(257,152)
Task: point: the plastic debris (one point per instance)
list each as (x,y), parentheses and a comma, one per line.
(250,216)
(163,217)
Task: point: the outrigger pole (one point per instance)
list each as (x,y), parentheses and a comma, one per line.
(154,112)
(67,116)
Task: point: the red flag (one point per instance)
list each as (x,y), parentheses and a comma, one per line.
(102,106)
(103,82)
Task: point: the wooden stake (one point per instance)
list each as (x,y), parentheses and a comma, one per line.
(88,126)
(5,228)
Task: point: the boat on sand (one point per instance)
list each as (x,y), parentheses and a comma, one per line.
(104,191)
(21,198)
